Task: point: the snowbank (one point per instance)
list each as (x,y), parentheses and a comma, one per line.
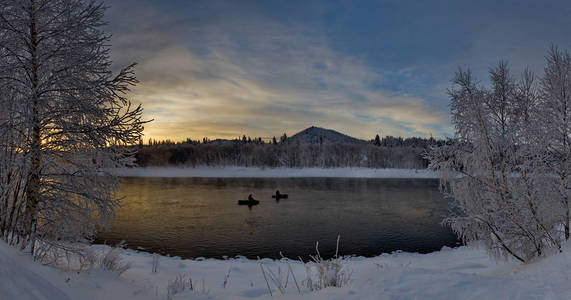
(460,273)
(275,172)
(23,279)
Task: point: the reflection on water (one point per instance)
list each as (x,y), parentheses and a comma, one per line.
(193,217)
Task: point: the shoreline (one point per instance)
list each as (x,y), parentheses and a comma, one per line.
(255,172)
(451,273)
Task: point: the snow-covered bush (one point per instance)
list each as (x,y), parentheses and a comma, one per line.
(322,273)
(507,167)
(80,257)
(88,259)
(177,285)
(183,285)
(112,261)
(325,273)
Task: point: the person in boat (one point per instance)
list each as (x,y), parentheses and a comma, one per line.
(277,194)
(250,198)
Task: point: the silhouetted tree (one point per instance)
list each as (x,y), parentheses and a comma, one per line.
(377,140)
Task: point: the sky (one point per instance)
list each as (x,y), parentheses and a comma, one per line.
(223,69)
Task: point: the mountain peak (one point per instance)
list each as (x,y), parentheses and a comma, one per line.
(315,135)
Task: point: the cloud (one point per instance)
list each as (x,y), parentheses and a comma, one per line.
(225,77)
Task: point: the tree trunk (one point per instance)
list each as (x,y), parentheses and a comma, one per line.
(33,186)
(564,168)
(564,196)
(566,220)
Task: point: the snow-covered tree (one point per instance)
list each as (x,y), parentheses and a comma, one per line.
(494,168)
(65,119)
(555,121)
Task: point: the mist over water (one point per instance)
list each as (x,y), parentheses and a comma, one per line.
(199,217)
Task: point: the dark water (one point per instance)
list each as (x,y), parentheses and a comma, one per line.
(194,217)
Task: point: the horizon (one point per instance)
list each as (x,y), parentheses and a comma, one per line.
(267,139)
(222,69)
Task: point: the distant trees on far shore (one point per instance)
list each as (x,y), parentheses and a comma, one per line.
(387,152)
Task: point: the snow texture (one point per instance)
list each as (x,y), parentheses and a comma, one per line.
(23,279)
(460,273)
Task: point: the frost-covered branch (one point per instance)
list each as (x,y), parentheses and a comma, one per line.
(507,168)
(64,117)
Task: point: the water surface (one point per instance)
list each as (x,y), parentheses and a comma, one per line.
(199,217)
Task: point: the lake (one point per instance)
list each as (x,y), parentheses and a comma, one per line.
(199,217)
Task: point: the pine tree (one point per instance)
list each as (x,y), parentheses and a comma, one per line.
(283,139)
(377,140)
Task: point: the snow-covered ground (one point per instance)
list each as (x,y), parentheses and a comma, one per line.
(275,172)
(460,273)
(23,279)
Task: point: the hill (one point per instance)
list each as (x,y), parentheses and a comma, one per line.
(315,135)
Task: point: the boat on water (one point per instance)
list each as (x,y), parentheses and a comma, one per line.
(279,196)
(248,202)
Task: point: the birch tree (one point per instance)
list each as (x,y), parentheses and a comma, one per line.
(494,168)
(65,120)
(555,121)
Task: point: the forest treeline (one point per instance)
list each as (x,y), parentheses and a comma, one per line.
(387,152)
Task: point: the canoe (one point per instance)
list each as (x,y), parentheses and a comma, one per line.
(282,196)
(248,202)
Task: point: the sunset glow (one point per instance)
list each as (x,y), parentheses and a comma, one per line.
(223,69)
